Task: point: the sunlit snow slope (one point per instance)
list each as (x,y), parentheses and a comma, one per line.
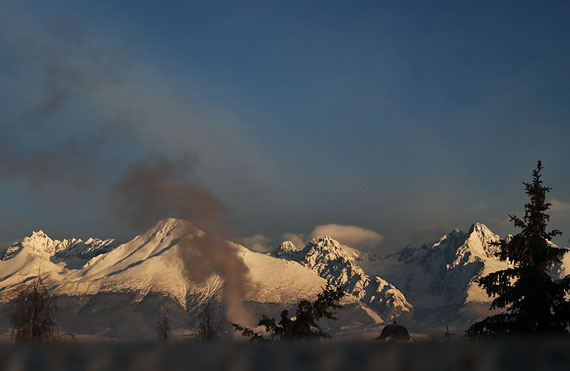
(97,279)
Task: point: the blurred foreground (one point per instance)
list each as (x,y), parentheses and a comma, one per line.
(521,354)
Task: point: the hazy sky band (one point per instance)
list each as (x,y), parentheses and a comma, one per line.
(397,118)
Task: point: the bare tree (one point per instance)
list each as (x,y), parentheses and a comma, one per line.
(208,328)
(163,330)
(33,315)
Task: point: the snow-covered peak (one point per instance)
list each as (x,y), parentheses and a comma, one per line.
(480,228)
(458,247)
(331,249)
(74,251)
(38,234)
(443,275)
(481,241)
(323,247)
(167,226)
(40,243)
(286,248)
(166,230)
(483,233)
(319,248)
(453,238)
(325,242)
(338,264)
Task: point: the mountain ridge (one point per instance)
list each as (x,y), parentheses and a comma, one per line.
(427,287)
(145,276)
(337,264)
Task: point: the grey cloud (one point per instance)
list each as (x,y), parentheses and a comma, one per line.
(350,235)
(257,242)
(297,239)
(560,207)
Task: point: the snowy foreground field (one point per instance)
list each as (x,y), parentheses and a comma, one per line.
(527,354)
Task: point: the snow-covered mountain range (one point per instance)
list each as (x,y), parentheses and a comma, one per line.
(74,252)
(440,279)
(122,289)
(429,287)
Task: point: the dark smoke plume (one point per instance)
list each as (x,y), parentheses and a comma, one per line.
(65,68)
(55,68)
(63,172)
(156,188)
(206,255)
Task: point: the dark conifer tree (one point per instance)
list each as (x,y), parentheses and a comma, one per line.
(534,302)
(304,325)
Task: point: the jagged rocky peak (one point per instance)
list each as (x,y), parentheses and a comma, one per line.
(328,249)
(481,240)
(40,234)
(286,247)
(477,232)
(457,248)
(337,264)
(324,247)
(328,246)
(452,249)
(479,227)
(453,238)
(325,242)
(37,236)
(42,244)
(483,232)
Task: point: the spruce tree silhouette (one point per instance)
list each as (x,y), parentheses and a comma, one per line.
(534,302)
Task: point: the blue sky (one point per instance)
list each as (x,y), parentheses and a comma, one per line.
(407,118)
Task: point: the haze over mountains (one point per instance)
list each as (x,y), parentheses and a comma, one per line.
(113,289)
